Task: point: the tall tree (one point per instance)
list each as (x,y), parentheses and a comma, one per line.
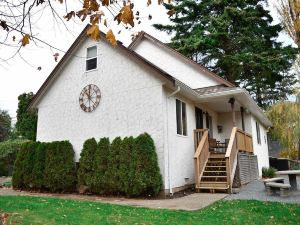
(285,117)
(26,120)
(235,39)
(5,125)
(289,13)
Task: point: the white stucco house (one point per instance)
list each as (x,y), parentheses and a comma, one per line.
(197,119)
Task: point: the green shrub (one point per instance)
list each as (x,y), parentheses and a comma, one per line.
(147,179)
(20,166)
(30,149)
(8,155)
(268,172)
(112,173)
(39,166)
(60,167)
(295,167)
(85,173)
(100,181)
(126,167)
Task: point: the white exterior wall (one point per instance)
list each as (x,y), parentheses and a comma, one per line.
(131,101)
(179,152)
(261,150)
(184,70)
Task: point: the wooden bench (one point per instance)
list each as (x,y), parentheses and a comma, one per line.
(276,180)
(284,188)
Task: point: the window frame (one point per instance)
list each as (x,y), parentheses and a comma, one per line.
(258,134)
(91,58)
(181,118)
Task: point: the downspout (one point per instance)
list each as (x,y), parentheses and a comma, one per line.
(169,171)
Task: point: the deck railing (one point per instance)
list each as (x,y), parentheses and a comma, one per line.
(239,141)
(201,153)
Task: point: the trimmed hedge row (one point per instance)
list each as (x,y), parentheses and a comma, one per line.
(127,167)
(8,155)
(45,166)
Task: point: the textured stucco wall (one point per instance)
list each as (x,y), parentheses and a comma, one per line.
(179,151)
(261,150)
(184,71)
(131,101)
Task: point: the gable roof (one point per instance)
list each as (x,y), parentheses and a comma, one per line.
(82,36)
(199,67)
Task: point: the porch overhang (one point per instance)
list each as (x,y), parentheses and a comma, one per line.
(217,99)
(242,97)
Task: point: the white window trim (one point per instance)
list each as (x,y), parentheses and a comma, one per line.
(86,59)
(258,133)
(181,121)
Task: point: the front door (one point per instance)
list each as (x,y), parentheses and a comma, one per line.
(199,118)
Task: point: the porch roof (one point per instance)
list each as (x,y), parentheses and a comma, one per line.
(217,97)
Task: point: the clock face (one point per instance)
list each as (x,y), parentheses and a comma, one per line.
(89,98)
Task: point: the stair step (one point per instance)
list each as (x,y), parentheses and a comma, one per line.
(214,171)
(216,166)
(214,176)
(213,187)
(211,184)
(216,160)
(217,156)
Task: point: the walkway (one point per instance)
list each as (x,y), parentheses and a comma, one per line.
(194,201)
(256,190)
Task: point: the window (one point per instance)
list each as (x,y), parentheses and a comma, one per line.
(91,58)
(258,133)
(181,118)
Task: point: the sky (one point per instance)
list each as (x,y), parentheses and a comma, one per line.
(20,74)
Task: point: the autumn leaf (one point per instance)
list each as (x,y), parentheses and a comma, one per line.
(69,15)
(105,2)
(126,15)
(111,38)
(93,32)
(171,12)
(25,40)
(82,13)
(149,2)
(3,25)
(56,56)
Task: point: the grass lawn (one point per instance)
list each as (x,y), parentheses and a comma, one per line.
(34,210)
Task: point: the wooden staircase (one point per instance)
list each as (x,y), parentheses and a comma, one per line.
(215,171)
(214,175)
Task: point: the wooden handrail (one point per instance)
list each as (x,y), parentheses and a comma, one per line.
(201,156)
(239,141)
(198,133)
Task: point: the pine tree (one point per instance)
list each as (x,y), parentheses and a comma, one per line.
(237,40)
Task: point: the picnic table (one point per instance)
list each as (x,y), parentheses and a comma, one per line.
(292,177)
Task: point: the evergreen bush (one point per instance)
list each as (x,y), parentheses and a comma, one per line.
(100,182)
(30,149)
(147,179)
(112,174)
(85,173)
(39,165)
(126,167)
(60,172)
(20,166)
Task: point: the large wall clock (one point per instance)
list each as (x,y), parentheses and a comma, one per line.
(89,98)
